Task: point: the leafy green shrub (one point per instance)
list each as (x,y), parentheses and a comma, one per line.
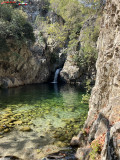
(45,5)
(86,97)
(96,148)
(14,25)
(87,55)
(72,45)
(70,11)
(74,14)
(57,33)
(41,38)
(95,34)
(28,32)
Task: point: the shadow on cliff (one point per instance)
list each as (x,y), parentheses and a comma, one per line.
(100,126)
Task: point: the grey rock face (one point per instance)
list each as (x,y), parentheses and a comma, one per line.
(26,65)
(22,68)
(105,97)
(71,72)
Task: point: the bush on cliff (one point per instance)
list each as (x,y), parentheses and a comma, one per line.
(14,25)
(87,55)
(58,33)
(75,14)
(70,11)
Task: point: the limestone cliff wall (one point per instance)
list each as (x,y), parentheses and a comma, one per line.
(30,64)
(72,72)
(20,66)
(103,122)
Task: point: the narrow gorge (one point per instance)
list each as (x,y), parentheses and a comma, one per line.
(54,46)
(60,80)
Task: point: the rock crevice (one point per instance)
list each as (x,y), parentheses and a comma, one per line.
(105,96)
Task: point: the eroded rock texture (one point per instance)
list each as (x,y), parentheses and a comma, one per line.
(72,72)
(20,66)
(27,64)
(103,122)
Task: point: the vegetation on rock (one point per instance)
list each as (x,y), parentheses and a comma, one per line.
(78,33)
(86,97)
(14,26)
(97,146)
(87,54)
(57,33)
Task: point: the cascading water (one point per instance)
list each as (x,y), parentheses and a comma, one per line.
(56,75)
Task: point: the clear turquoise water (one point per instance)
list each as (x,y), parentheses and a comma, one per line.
(47,107)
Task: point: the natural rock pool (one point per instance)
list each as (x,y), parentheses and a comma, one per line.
(37,120)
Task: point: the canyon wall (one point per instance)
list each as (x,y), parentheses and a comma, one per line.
(74,71)
(20,66)
(100,138)
(27,64)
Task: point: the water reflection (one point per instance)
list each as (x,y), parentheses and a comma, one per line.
(69,94)
(50,110)
(31,94)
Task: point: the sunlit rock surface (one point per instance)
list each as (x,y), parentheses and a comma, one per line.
(30,64)
(103,122)
(71,72)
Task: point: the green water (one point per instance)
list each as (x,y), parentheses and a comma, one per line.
(45,108)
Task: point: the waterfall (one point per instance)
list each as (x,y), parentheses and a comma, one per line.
(56,75)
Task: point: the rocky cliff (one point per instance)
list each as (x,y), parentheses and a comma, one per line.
(74,71)
(20,66)
(53,47)
(100,138)
(29,64)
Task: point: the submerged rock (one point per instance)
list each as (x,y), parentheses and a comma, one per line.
(6,130)
(25,129)
(18,122)
(10,158)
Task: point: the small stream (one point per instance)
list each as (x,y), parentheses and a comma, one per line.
(39,120)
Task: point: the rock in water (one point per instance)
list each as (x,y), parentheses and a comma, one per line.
(25,129)
(9,158)
(103,122)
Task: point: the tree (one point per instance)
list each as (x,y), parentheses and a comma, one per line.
(13,24)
